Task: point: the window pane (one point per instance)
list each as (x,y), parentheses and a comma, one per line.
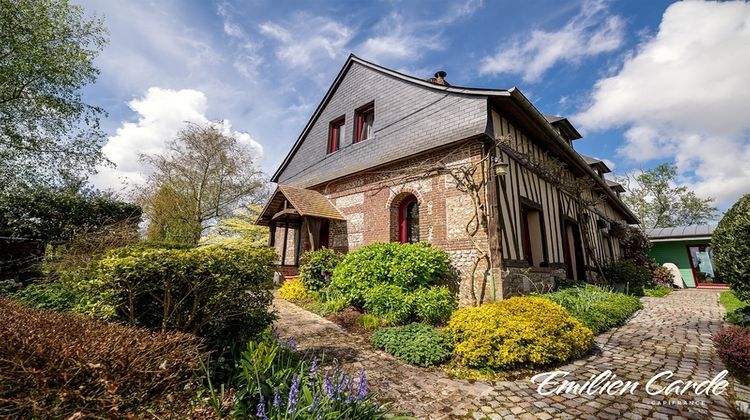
(368,118)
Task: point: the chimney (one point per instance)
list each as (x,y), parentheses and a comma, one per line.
(440,78)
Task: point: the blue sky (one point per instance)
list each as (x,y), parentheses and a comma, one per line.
(645,81)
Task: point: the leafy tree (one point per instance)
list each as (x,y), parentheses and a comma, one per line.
(204,176)
(47,49)
(241,225)
(658,201)
(57,215)
(731,244)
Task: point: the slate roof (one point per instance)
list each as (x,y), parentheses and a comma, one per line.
(596,162)
(511,100)
(681,232)
(615,186)
(305,202)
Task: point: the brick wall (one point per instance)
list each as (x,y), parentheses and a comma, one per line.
(370,202)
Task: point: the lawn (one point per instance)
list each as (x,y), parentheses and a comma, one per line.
(730,302)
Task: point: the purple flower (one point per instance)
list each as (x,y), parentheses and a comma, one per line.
(362,390)
(276,398)
(291,343)
(342,384)
(328,386)
(293,394)
(261,412)
(313,368)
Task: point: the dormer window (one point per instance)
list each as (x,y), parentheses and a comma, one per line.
(335,133)
(363,124)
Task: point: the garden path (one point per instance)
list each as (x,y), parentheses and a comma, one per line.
(671,333)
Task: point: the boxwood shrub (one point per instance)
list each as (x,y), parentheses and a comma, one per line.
(216,291)
(418,344)
(596,307)
(731,244)
(518,332)
(409,266)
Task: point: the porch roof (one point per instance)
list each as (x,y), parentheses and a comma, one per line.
(680,233)
(302,202)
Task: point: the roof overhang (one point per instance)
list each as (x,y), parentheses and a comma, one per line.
(290,204)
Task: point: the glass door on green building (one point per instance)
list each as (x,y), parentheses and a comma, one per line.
(702,264)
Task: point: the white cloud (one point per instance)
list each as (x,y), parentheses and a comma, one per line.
(161,114)
(683,95)
(247,59)
(307,39)
(593,31)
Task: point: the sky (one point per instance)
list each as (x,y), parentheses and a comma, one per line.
(644,81)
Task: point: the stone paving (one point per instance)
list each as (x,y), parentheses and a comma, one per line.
(671,333)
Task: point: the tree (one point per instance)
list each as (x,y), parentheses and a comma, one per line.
(203,177)
(241,225)
(47,50)
(659,202)
(731,245)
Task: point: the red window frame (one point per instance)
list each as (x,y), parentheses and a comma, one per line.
(403,219)
(334,134)
(359,123)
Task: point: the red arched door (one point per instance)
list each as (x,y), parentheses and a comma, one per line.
(408,220)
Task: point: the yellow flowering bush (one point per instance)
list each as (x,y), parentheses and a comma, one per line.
(294,290)
(517,332)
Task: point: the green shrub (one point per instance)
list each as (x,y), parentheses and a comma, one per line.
(434,305)
(731,246)
(409,266)
(336,305)
(628,276)
(656,291)
(563,283)
(316,267)
(389,302)
(64,365)
(220,292)
(596,307)
(418,344)
(740,316)
(273,371)
(517,332)
(54,296)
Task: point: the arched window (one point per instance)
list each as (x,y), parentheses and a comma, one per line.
(408,220)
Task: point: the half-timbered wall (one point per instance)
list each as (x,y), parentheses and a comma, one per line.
(522,185)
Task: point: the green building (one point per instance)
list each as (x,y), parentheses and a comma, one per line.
(689,248)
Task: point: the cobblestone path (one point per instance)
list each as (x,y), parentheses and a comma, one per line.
(671,333)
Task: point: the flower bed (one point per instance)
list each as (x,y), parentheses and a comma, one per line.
(597,308)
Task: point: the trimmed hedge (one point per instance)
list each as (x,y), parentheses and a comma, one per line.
(409,266)
(731,245)
(418,344)
(597,308)
(220,291)
(516,333)
(61,365)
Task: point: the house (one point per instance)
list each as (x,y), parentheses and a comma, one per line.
(689,248)
(390,157)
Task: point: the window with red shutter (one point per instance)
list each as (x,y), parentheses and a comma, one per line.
(335,133)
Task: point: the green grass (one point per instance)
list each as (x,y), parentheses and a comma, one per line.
(730,302)
(657,291)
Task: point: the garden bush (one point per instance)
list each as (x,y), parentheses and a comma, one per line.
(60,365)
(294,290)
(389,302)
(628,276)
(656,290)
(597,308)
(276,382)
(316,267)
(418,344)
(434,305)
(515,333)
(217,291)
(55,296)
(733,346)
(740,316)
(731,246)
(662,276)
(409,266)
